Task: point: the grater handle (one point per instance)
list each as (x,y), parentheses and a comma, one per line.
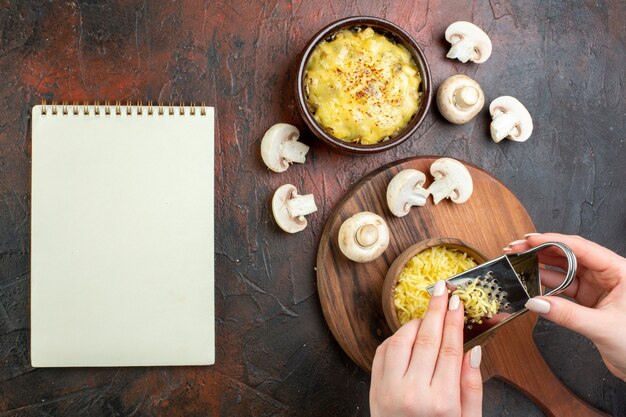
(571,265)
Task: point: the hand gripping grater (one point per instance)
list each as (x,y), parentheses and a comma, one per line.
(512,279)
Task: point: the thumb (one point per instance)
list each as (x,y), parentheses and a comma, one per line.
(566,313)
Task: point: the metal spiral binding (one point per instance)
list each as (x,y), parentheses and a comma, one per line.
(65,108)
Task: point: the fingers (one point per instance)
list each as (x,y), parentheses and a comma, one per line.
(548,256)
(586,294)
(472,384)
(553,260)
(589,254)
(397,351)
(378,366)
(516,246)
(428,341)
(448,366)
(568,314)
(553,279)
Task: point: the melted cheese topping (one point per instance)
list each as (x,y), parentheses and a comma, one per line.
(362,87)
(424,269)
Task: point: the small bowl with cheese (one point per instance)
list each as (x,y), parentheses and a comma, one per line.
(363,85)
(404,294)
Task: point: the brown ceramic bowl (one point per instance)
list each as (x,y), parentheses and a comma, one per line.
(392,32)
(393,274)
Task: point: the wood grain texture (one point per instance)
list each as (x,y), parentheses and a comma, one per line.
(275,353)
(513,357)
(352,293)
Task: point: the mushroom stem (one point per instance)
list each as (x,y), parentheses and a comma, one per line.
(463,50)
(419,198)
(442,188)
(466,97)
(366,235)
(301,205)
(502,126)
(294,151)
(363,237)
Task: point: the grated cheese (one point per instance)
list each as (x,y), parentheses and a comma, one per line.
(478,302)
(424,269)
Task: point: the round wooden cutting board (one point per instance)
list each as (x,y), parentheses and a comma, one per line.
(350,293)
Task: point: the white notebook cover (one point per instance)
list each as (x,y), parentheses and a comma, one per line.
(122,251)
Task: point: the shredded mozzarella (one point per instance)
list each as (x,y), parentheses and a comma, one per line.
(424,269)
(478,302)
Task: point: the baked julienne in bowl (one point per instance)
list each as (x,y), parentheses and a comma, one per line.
(363,85)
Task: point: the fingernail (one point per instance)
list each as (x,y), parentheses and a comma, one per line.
(476,355)
(507,249)
(440,288)
(453,304)
(538,305)
(517,242)
(531,234)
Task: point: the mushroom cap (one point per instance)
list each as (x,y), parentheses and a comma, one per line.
(279,209)
(456,172)
(467,30)
(272,143)
(512,106)
(459,99)
(405,190)
(363,237)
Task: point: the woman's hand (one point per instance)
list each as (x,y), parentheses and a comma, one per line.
(599,288)
(421,369)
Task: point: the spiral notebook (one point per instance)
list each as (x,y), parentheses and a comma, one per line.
(122,251)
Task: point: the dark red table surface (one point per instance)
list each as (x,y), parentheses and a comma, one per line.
(275,354)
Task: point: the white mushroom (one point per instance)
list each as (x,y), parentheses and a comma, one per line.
(469,42)
(289,208)
(363,237)
(406,190)
(280,147)
(511,120)
(452,180)
(459,99)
